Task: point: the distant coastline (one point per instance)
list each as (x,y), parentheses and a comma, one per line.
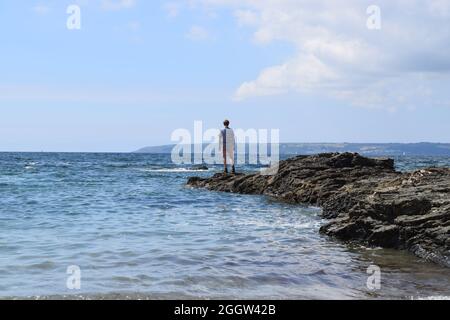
(368,149)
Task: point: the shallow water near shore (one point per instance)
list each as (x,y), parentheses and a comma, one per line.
(136,232)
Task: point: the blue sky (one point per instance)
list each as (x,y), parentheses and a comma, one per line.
(138,70)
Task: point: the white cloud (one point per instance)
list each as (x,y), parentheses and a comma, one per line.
(134,26)
(172,9)
(197,33)
(247,17)
(302,72)
(118,4)
(107,5)
(41,9)
(440,7)
(336,54)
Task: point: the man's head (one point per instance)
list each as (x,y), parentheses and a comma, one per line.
(226,123)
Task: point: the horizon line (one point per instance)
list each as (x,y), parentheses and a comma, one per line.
(174,144)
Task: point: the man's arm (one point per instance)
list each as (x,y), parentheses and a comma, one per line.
(220,141)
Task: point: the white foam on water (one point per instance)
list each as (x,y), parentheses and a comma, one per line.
(174,170)
(432,298)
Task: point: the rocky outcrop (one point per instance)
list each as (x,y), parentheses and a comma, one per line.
(365,199)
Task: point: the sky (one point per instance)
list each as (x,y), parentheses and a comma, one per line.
(136,71)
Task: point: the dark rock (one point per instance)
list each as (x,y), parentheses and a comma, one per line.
(385,236)
(366,199)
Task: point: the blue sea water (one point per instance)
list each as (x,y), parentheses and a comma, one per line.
(137,232)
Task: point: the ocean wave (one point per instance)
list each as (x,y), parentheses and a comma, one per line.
(174,170)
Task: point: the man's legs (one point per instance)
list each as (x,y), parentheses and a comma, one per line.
(231,156)
(225,170)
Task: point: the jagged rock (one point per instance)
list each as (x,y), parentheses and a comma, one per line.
(365,199)
(199,168)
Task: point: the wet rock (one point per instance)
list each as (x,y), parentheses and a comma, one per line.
(385,236)
(199,168)
(365,199)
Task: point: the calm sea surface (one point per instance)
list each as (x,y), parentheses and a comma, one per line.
(135,231)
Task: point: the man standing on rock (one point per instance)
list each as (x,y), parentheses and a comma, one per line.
(227,145)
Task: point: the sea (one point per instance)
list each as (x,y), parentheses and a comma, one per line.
(125,226)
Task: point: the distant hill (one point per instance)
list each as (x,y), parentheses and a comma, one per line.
(368,149)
